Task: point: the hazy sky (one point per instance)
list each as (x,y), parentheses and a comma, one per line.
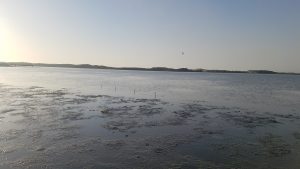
(214,34)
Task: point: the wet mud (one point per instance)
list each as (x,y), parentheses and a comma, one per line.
(41,128)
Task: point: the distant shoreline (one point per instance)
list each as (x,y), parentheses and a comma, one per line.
(88,66)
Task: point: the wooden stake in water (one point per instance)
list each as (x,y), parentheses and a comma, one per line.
(134,91)
(115,88)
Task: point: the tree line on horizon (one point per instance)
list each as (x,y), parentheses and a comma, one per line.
(89,66)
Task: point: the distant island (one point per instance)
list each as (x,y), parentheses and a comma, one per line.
(89,66)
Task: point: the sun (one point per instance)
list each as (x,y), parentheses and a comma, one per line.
(13,47)
(7,51)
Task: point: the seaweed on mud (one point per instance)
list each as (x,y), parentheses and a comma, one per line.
(40,148)
(173,121)
(114,144)
(66,128)
(152,124)
(76,101)
(204,131)
(144,100)
(4,111)
(275,145)
(57,93)
(190,110)
(34,93)
(92,96)
(107,112)
(18,114)
(248,119)
(184,114)
(149,110)
(121,125)
(80,99)
(117,111)
(35,87)
(39,92)
(195,108)
(26,95)
(286,116)
(72,116)
(181,116)
(120,100)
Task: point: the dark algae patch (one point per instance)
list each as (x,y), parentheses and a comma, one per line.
(249,119)
(41,128)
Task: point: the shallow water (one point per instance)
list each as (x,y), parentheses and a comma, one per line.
(85,118)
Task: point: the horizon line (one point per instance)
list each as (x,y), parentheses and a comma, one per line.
(154,68)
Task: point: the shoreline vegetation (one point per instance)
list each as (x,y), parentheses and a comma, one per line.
(89,66)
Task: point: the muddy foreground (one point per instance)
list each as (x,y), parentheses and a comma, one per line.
(41,128)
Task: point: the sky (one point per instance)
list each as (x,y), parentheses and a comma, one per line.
(212,34)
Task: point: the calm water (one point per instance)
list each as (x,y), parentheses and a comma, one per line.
(270,92)
(85,118)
